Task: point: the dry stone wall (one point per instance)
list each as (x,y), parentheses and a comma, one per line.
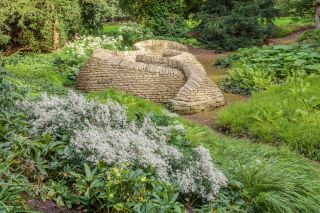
(162,71)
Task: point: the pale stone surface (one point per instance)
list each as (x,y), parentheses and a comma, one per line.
(162,71)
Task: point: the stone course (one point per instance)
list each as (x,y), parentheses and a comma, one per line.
(162,71)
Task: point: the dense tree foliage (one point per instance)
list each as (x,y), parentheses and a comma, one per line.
(164,17)
(296,7)
(302,8)
(43,24)
(114,11)
(228,25)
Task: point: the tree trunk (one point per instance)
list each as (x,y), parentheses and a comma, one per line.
(317,18)
(55,31)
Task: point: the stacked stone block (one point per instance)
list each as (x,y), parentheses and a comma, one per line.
(162,71)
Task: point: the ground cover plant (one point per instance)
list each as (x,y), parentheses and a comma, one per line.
(286,115)
(35,72)
(256,69)
(310,37)
(261,178)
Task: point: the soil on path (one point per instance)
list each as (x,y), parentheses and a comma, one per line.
(208,58)
(290,39)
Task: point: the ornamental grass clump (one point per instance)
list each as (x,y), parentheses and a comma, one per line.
(101,132)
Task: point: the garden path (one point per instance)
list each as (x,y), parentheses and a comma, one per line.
(292,38)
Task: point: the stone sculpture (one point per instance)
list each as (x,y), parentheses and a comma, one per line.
(162,71)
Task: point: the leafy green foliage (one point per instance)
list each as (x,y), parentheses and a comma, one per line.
(225,62)
(310,37)
(30,23)
(164,18)
(11,122)
(114,12)
(284,115)
(35,24)
(93,13)
(255,69)
(145,192)
(302,8)
(262,178)
(132,33)
(228,25)
(112,189)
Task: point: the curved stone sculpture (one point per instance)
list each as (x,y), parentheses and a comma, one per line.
(162,71)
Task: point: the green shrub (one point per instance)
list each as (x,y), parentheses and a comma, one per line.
(30,23)
(44,24)
(132,33)
(229,25)
(12,123)
(11,188)
(224,62)
(256,69)
(113,189)
(114,12)
(164,18)
(93,13)
(284,115)
(311,37)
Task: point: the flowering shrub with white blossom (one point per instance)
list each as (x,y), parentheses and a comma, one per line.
(84,46)
(101,132)
(76,53)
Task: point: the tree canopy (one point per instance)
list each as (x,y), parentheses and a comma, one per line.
(296,7)
(38,24)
